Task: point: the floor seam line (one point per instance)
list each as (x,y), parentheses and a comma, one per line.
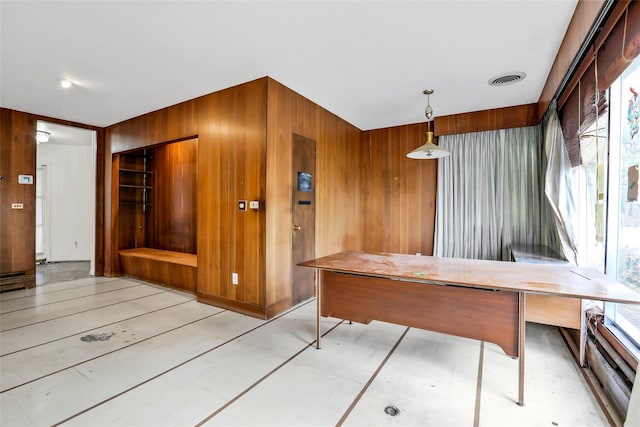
(371,379)
(112,351)
(476,411)
(66,300)
(263,378)
(80,312)
(59,290)
(191,359)
(87,330)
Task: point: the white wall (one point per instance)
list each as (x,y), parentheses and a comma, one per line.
(69,201)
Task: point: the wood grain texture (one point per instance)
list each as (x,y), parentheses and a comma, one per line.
(25,123)
(544,279)
(174,207)
(607,45)
(100,207)
(398,194)
(472,313)
(558,311)
(231,167)
(480,121)
(339,220)
(17,226)
(583,17)
(134,230)
(112,213)
(231,163)
(165,125)
(174,269)
(303,205)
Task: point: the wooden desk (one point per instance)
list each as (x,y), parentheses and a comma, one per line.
(552,310)
(476,299)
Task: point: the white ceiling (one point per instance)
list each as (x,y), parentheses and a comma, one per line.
(66,135)
(365,61)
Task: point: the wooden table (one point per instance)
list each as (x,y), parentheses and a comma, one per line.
(483,300)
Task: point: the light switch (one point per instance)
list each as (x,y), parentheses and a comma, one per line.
(17,206)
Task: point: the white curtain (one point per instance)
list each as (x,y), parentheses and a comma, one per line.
(490,194)
(558,185)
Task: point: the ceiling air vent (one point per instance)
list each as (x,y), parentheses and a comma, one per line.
(506,79)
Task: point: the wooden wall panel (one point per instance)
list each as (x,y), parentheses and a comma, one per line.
(231,163)
(168,124)
(175,174)
(480,121)
(100,174)
(231,167)
(585,14)
(17,226)
(339,224)
(399,203)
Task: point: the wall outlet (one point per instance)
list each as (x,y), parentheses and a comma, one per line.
(254,204)
(234,278)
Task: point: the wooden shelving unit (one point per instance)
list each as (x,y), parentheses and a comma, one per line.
(156,214)
(136,178)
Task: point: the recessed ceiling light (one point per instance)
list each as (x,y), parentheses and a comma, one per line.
(506,79)
(65,83)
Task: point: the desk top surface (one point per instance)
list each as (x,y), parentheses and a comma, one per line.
(536,254)
(558,280)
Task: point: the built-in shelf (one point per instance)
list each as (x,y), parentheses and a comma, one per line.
(135,179)
(144,187)
(136,171)
(135,203)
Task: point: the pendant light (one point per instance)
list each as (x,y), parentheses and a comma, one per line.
(429,150)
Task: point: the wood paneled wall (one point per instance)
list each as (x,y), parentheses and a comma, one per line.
(174,207)
(480,121)
(231,165)
(399,193)
(17,226)
(18,156)
(583,17)
(369,195)
(339,220)
(230,159)
(169,124)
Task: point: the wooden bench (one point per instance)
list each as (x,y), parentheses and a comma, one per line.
(174,269)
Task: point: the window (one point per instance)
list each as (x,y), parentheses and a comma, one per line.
(623,236)
(591,179)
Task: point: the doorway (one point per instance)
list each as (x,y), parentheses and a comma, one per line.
(303,216)
(41,213)
(65,188)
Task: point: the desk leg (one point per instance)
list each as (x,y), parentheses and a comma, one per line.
(318,306)
(522,326)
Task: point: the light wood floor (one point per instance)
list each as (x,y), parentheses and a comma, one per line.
(105,351)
